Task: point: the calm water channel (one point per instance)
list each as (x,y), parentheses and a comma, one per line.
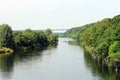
(65,62)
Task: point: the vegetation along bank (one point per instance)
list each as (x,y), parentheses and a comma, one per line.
(11,41)
(101,39)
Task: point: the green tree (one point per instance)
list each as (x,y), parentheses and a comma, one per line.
(104,36)
(114,48)
(103,49)
(6,36)
(48,31)
(52,39)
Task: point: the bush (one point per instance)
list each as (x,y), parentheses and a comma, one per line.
(103,48)
(114,48)
(114,58)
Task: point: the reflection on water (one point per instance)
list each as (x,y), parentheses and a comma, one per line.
(97,69)
(64,62)
(6,65)
(7,61)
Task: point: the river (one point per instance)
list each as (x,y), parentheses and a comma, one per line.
(64,62)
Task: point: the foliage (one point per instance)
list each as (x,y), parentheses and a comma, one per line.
(34,38)
(114,48)
(114,58)
(28,39)
(6,37)
(102,49)
(103,35)
(51,38)
(48,31)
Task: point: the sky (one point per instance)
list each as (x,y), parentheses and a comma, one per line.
(55,14)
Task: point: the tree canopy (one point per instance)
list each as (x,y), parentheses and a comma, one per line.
(103,35)
(27,39)
(6,37)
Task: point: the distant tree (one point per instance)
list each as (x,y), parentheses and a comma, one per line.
(52,39)
(48,31)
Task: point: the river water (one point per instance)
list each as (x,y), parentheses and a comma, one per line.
(64,62)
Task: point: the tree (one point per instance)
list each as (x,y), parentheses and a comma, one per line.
(6,37)
(103,48)
(104,36)
(114,48)
(48,31)
(52,39)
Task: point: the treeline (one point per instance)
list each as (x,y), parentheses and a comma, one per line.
(101,39)
(11,41)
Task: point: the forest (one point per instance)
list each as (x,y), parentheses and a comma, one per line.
(11,41)
(101,39)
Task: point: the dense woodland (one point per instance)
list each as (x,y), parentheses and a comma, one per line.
(101,39)
(11,41)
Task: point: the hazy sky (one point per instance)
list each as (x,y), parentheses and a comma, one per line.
(55,14)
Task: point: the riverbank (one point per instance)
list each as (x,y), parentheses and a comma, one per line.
(11,41)
(6,50)
(101,39)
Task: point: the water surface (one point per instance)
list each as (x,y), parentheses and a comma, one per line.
(65,62)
